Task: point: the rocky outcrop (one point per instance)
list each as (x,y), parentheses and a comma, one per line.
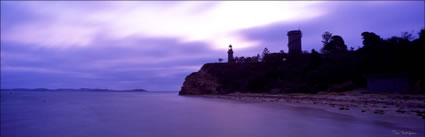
(221,78)
(200,82)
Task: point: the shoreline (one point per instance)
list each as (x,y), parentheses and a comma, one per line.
(350,102)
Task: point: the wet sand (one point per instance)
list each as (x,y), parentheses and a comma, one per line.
(403,113)
(352,102)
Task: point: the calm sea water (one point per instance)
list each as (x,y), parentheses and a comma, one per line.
(131,114)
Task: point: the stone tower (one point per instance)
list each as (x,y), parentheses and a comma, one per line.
(294,41)
(230,54)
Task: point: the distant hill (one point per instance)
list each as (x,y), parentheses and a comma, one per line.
(71,89)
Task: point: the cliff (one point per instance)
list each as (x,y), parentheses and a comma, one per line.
(305,73)
(218,78)
(205,81)
(293,75)
(200,82)
(336,69)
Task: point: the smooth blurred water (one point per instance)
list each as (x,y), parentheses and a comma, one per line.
(137,114)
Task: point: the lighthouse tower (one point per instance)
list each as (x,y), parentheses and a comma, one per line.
(230,54)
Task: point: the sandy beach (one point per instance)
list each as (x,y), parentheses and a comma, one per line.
(355,102)
(403,113)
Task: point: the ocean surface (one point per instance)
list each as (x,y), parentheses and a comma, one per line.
(150,114)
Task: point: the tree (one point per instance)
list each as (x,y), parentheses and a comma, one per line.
(313,51)
(422,34)
(314,58)
(336,44)
(407,36)
(326,38)
(248,60)
(242,59)
(258,58)
(265,52)
(273,58)
(220,60)
(339,43)
(370,39)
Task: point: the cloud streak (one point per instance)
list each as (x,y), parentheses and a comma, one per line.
(67,24)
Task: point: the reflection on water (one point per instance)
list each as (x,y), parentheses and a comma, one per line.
(131,114)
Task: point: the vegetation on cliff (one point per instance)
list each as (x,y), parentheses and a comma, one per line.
(334,69)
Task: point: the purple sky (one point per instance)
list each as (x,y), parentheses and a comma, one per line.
(154,45)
